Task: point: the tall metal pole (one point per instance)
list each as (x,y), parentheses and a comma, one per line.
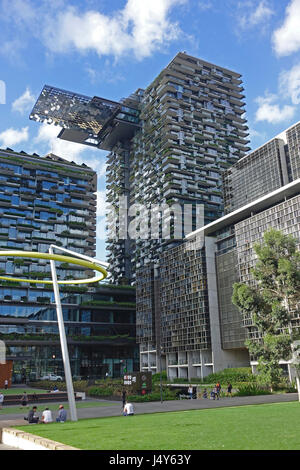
(161,394)
(63,342)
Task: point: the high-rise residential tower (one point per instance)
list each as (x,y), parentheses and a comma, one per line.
(169,145)
(184,304)
(43,201)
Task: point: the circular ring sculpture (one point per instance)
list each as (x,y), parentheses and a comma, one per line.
(65,259)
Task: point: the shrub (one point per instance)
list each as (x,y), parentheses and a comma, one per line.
(187,381)
(153,396)
(250,390)
(101,391)
(79,385)
(233,375)
(156,377)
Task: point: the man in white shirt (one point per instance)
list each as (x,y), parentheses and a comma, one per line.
(47,416)
(1,400)
(128,409)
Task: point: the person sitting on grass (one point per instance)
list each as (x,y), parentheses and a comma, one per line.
(128,409)
(32,417)
(47,416)
(62,415)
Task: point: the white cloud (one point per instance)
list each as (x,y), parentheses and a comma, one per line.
(254,14)
(11,137)
(204,6)
(24,103)
(271,112)
(286,39)
(47,137)
(289,84)
(140,28)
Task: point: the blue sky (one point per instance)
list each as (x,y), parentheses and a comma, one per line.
(110,48)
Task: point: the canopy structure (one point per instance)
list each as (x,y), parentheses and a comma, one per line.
(97,122)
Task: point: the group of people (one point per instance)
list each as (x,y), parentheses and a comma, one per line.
(216,391)
(46,417)
(214,394)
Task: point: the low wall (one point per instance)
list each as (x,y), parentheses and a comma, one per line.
(26,441)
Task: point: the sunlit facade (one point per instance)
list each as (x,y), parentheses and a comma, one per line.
(43,201)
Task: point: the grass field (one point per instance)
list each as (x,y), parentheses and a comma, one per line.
(256,427)
(20,391)
(53,407)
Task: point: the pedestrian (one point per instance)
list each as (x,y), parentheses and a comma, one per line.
(128,409)
(218,390)
(32,417)
(190,391)
(62,415)
(6,384)
(213,394)
(46,416)
(229,390)
(123,398)
(204,395)
(1,400)
(24,400)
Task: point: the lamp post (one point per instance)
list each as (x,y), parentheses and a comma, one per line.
(63,342)
(161,394)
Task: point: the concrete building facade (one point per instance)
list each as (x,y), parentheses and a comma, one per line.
(44,201)
(196,283)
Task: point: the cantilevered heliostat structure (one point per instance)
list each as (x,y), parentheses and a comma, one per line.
(85,120)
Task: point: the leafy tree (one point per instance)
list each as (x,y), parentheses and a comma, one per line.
(272,302)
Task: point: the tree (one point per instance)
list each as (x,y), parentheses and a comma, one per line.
(272,302)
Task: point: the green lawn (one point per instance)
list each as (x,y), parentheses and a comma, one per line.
(20,391)
(41,406)
(256,427)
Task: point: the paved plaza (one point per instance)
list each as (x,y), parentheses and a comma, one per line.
(114,408)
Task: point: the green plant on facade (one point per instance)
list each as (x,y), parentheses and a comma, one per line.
(271,303)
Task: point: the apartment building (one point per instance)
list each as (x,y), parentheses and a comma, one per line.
(200,330)
(43,201)
(168,144)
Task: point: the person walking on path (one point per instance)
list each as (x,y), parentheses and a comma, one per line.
(190,391)
(204,393)
(24,400)
(229,390)
(1,400)
(218,390)
(62,415)
(123,398)
(6,384)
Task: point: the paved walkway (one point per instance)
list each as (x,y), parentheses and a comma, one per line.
(115,409)
(4,447)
